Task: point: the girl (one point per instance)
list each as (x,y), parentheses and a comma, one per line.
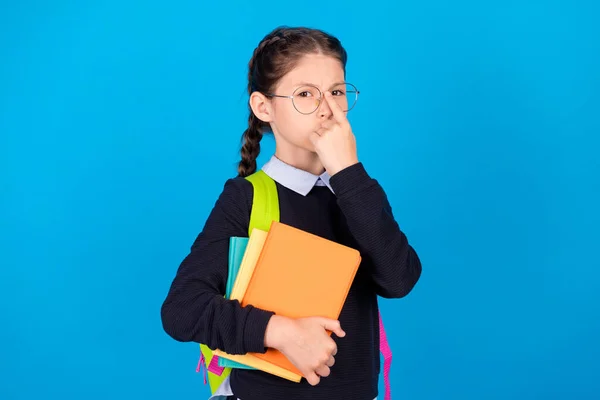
(297,88)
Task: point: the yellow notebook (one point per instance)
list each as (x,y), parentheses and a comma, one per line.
(253,250)
(249,260)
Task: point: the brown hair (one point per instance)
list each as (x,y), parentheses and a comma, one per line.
(274,57)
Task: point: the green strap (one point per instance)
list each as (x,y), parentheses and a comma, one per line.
(265,202)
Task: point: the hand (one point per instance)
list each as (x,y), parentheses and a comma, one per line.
(334,141)
(306,343)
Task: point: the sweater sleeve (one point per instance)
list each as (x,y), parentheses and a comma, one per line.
(394,265)
(195,308)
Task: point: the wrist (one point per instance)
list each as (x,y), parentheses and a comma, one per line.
(338,168)
(275,332)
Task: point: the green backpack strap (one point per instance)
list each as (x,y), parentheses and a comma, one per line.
(265,202)
(265,209)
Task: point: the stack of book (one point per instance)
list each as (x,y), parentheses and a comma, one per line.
(292,273)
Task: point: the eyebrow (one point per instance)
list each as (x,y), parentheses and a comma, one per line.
(312,84)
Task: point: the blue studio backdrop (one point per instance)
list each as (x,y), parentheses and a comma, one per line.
(120,122)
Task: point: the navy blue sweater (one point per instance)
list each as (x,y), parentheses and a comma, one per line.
(357,215)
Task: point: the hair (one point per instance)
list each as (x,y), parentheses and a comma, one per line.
(276,55)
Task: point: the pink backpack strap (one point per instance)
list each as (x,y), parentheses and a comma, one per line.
(214,366)
(386,351)
(201,366)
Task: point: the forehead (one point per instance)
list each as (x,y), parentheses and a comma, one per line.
(317,69)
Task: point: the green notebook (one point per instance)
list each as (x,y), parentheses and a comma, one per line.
(237,248)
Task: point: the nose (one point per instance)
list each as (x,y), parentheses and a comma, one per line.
(324,110)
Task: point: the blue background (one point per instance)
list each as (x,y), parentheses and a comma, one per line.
(120,122)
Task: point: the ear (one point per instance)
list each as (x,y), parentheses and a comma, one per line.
(261,106)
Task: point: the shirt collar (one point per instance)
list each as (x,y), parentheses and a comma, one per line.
(295,179)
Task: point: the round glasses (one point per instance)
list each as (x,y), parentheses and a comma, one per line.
(307,98)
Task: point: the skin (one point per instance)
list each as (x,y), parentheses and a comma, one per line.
(316,142)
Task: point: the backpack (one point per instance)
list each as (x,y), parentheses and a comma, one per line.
(265,209)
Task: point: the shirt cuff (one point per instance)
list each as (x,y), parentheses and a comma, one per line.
(254,331)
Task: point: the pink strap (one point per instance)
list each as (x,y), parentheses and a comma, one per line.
(214,366)
(200,365)
(386,351)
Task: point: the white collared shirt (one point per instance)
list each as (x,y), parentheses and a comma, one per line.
(295,179)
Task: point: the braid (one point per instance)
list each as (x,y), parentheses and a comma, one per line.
(251,146)
(253,135)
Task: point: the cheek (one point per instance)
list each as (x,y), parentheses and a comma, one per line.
(296,126)
(302,127)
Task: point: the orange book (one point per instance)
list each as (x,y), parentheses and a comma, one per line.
(297,275)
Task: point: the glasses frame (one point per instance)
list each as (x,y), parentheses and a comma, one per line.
(320,99)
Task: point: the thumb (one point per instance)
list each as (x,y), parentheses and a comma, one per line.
(333,326)
(314,138)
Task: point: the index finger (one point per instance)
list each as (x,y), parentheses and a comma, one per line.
(333,326)
(338,114)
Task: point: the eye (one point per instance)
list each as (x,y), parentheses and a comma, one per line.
(337,92)
(304,94)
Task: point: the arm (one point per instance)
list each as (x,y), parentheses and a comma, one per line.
(195,308)
(394,264)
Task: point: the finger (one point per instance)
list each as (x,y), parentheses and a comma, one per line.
(328,124)
(314,137)
(338,114)
(331,347)
(330,362)
(321,131)
(312,378)
(323,371)
(333,326)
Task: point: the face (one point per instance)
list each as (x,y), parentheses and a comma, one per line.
(292,128)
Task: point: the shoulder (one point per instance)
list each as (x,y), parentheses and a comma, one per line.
(230,215)
(237,186)
(236,194)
